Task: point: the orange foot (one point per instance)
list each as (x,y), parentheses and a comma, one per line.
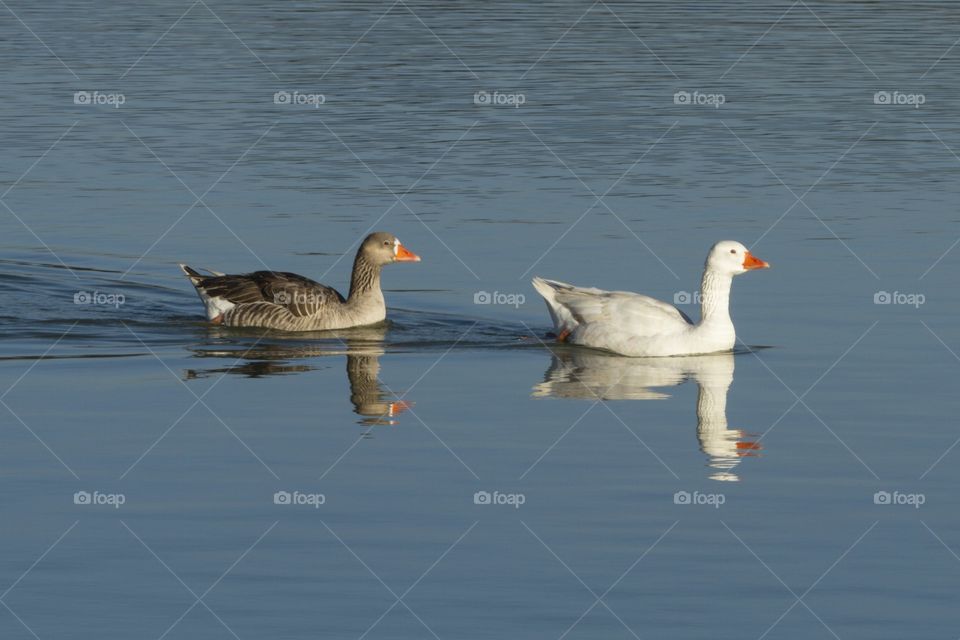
(563,335)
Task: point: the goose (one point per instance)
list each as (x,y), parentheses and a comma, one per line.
(291,302)
(631,324)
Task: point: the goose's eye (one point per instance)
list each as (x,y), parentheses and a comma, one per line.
(733,250)
(386,243)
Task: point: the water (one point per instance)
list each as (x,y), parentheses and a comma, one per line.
(780,448)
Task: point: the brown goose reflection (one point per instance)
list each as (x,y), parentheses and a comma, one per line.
(362,348)
(367,394)
(578,373)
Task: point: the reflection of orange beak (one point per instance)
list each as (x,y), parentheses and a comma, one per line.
(751,261)
(405,255)
(399,407)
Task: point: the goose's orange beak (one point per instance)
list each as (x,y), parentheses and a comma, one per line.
(751,261)
(405,255)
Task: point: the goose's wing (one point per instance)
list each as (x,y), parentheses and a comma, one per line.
(645,316)
(299,295)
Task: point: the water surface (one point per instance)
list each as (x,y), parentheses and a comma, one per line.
(722,496)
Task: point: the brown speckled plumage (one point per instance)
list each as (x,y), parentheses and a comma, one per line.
(291,302)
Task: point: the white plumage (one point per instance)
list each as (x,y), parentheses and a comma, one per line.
(632,324)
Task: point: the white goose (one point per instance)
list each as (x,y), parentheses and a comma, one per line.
(636,325)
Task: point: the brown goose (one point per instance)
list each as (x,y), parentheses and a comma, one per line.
(290,302)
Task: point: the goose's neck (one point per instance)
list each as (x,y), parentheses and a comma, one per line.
(365,280)
(715,298)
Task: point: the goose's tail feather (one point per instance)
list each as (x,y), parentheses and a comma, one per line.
(563,320)
(194,275)
(216,306)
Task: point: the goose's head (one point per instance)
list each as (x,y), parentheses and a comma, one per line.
(732,258)
(383,248)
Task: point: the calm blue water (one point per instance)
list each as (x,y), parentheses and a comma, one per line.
(151,464)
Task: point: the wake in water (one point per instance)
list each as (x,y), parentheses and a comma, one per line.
(100,313)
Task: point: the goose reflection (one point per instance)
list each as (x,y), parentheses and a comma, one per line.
(578,373)
(362,347)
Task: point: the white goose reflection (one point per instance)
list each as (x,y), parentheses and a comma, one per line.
(579,373)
